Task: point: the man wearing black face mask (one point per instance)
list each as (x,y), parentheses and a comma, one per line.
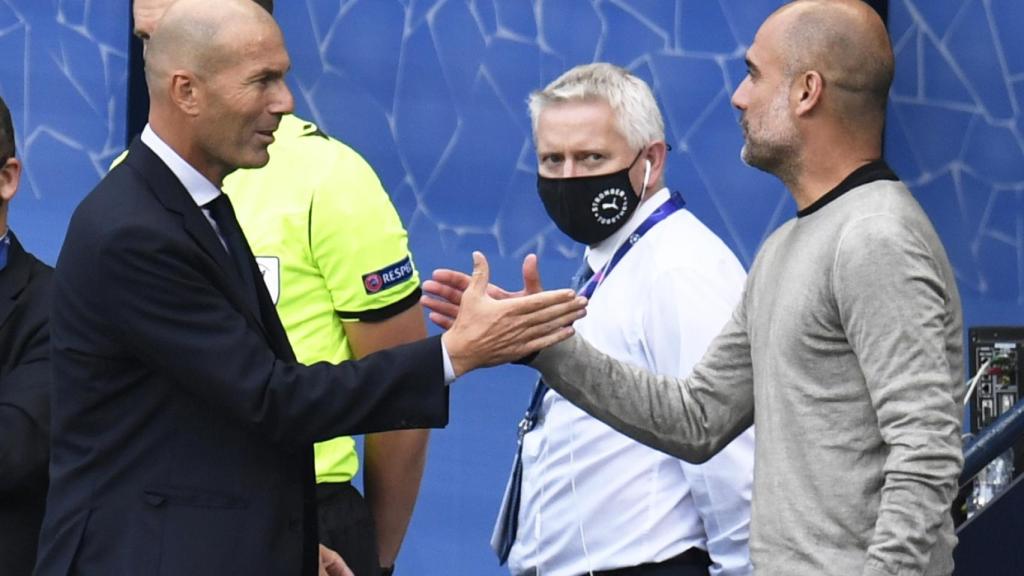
(584,499)
(587,208)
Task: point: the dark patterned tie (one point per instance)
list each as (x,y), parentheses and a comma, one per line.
(231,233)
(508,518)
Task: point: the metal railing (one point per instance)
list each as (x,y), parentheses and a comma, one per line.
(995,439)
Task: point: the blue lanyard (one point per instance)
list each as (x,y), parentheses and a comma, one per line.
(674,203)
(667,208)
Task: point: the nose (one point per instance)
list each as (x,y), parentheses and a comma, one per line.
(283,101)
(739,97)
(569,168)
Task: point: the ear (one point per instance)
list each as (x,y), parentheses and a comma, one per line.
(10,176)
(656,154)
(808,88)
(185,92)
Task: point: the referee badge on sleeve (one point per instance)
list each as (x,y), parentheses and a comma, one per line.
(270,269)
(388,277)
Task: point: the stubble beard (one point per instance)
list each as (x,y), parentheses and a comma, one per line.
(775,149)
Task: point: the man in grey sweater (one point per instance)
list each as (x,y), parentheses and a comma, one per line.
(846,349)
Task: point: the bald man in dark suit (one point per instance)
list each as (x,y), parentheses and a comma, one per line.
(183,427)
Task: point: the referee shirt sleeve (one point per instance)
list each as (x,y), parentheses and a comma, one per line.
(358,242)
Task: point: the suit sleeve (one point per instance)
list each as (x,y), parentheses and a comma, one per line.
(164,302)
(24,425)
(691,418)
(25,406)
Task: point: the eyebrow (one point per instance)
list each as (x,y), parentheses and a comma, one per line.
(271,72)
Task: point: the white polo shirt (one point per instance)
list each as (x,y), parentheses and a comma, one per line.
(592,499)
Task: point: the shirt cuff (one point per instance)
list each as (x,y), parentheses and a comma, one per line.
(449,372)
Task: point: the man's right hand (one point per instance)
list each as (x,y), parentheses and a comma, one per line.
(444,291)
(492,327)
(331,563)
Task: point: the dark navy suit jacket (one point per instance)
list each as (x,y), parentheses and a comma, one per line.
(24,406)
(182,426)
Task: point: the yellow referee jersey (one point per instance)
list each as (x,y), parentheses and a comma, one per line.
(330,247)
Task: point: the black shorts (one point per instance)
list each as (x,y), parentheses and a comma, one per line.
(346,526)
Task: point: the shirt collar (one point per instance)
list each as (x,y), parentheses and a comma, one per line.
(5,245)
(198,186)
(866,174)
(599,254)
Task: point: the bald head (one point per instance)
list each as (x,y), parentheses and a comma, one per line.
(216,73)
(147,14)
(846,42)
(202,37)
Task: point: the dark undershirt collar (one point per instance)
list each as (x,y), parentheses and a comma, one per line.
(875,170)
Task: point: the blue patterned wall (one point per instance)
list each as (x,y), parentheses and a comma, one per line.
(955,135)
(63,75)
(433,93)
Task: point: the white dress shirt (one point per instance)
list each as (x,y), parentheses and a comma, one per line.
(198,186)
(592,499)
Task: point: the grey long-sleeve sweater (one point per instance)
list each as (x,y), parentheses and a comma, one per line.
(846,353)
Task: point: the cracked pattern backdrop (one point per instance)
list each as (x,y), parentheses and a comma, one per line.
(433,93)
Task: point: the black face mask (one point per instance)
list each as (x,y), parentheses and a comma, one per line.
(589,209)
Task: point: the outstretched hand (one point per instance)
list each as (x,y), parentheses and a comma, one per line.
(492,327)
(443,292)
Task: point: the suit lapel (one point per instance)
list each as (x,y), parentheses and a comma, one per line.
(175,198)
(13,278)
(272,323)
(271,320)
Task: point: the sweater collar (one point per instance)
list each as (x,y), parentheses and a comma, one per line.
(870,172)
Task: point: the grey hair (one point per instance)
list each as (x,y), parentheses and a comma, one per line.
(636,111)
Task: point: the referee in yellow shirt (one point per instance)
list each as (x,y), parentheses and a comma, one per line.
(335,258)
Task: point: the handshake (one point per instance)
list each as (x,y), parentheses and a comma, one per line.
(487,325)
